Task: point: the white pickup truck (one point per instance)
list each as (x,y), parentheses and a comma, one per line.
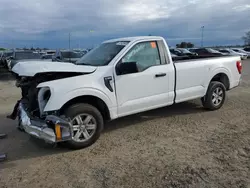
(63,102)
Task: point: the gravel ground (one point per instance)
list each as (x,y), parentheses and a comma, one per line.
(177,146)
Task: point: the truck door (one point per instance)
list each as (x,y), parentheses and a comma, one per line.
(142,79)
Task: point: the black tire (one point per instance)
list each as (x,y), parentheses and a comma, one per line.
(80,108)
(207,99)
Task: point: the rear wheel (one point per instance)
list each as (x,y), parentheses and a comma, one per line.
(87,123)
(215,96)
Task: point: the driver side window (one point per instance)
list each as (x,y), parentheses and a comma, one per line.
(144,55)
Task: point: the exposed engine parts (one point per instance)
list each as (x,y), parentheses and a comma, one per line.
(36,100)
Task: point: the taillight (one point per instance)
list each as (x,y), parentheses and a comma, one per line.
(239,66)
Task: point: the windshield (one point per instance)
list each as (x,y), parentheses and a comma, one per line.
(50,52)
(102,54)
(224,51)
(240,50)
(212,50)
(192,50)
(232,51)
(175,51)
(27,55)
(236,50)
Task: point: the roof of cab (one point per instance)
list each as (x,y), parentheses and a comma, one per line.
(135,38)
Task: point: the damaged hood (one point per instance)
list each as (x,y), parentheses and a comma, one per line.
(30,68)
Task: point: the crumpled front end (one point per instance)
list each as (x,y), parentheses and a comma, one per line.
(53,129)
(33,119)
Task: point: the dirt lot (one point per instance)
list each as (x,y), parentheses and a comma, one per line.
(177,146)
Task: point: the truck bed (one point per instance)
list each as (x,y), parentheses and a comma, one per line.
(192,76)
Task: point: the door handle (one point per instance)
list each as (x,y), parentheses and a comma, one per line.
(160,75)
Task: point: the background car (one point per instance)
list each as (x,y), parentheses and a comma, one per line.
(247,49)
(5,56)
(233,53)
(21,55)
(67,56)
(47,56)
(1,55)
(175,52)
(187,52)
(50,52)
(242,51)
(223,52)
(173,55)
(207,52)
(178,52)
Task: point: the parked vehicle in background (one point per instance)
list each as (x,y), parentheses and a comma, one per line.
(224,53)
(187,52)
(1,55)
(176,52)
(173,55)
(70,102)
(239,50)
(231,52)
(207,52)
(42,53)
(5,56)
(50,52)
(192,50)
(247,49)
(66,56)
(47,56)
(83,51)
(21,55)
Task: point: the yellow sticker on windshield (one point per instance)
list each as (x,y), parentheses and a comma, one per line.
(153,44)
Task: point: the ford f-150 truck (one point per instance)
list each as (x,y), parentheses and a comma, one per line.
(63,102)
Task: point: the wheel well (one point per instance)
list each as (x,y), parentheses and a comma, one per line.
(92,100)
(223,78)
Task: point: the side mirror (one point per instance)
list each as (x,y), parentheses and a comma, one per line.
(11,57)
(126,68)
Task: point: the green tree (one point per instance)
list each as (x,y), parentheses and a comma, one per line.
(190,45)
(185,45)
(246,38)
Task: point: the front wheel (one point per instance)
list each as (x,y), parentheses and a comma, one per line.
(87,122)
(215,96)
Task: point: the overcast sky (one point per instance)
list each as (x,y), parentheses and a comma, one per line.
(47,23)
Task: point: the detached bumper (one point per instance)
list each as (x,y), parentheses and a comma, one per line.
(53,129)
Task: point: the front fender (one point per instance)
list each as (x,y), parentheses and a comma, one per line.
(57,100)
